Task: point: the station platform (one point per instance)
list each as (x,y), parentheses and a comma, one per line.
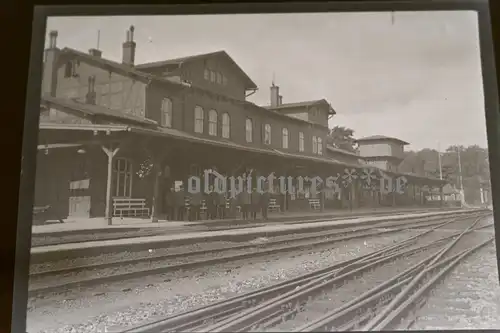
(164,241)
(98,225)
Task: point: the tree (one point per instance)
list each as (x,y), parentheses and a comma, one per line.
(342,138)
(473,161)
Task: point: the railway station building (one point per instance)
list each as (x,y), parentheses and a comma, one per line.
(119,132)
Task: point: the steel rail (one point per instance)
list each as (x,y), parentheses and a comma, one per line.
(397,312)
(250,298)
(33,292)
(404,293)
(189,265)
(191,319)
(194,316)
(247,317)
(393,284)
(152,259)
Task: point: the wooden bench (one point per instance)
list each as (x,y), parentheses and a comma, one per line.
(40,209)
(273,206)
(126,207)
(40,217)
(315,204)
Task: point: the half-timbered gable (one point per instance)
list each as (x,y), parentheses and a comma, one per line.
(216,72)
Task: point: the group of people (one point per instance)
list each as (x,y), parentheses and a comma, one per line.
(175,202)
(251,203)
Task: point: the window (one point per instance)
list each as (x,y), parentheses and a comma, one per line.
(320,146)
(226,126)
(68,69)
(315,145)
(285,138)
(212,122)
(301,141)
(206,74)
(249,130)
(219,78)
(212,76)
(198,119)
(166,112)
(224,80)
(122,176)
(267,134)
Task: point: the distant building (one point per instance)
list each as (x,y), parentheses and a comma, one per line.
(384,152)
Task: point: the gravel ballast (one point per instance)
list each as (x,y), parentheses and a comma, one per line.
(128,304)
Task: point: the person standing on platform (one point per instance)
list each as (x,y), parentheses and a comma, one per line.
(221,205)
(255,198)
(244,203)
(211,202)
(194,206)
(169,204)
(180,204)
(264,203)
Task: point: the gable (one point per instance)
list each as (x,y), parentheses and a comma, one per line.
(213,59)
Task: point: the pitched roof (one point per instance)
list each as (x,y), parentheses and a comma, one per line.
(302,104)
(380,138)
(169,132)
(95,110)
(119,67)
(179,135)
(132,71)
(181,60)
(342,151)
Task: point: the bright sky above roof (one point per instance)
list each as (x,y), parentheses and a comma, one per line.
(417,77)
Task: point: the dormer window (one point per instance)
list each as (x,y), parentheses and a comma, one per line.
(214,77)
(70,69)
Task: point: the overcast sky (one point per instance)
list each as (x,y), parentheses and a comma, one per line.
(417,77)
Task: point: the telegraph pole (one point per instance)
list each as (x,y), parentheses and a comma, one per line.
(439,162)
(460,175)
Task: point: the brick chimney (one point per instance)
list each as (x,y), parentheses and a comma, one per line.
(275,93)
(95,53)
(49,78)
(129,48)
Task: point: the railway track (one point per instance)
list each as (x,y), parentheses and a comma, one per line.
(39,240)
(63,279)
(377,307)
